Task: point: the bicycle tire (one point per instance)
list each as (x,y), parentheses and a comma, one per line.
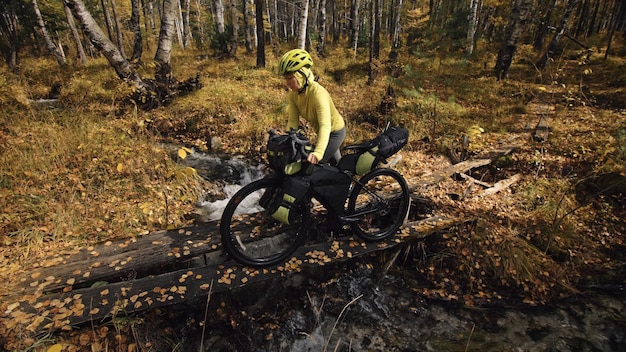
(380,199)
(250,234)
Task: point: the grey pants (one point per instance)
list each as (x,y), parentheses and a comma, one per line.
(332,149)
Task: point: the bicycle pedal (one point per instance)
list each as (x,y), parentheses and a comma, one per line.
(348,219)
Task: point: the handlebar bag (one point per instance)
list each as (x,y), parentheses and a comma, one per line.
(284,152)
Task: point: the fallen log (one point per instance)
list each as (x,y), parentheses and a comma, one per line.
(126,260)
(500,185)
(66,309)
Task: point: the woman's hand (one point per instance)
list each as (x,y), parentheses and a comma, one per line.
(312,159)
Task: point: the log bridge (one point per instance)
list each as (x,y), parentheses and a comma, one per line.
(169,267)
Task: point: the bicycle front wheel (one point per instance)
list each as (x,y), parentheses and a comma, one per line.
(380,199)
(250,234)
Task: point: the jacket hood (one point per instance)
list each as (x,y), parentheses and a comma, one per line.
(303,75)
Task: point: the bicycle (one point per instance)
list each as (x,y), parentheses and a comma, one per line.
(375,208)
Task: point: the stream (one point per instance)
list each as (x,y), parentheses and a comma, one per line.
(356,306)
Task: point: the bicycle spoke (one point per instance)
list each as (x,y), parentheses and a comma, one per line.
(251,235)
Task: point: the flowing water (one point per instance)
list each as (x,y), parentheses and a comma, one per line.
(355,307)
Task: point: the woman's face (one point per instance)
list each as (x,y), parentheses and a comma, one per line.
(291,82)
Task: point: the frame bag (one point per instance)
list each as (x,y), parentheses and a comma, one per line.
(331,186)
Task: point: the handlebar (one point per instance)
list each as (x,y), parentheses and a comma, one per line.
(301,142)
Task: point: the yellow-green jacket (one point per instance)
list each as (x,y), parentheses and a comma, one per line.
(316,106)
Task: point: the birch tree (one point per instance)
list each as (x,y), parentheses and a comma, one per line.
(187,36)
(375,12)
(9,28)
(147,94)
(542,29)
(354,22)
(136,28)
(321,47)
(41,30)
(234,14)
(248,25)
(219,24)
(472,25)
(517,23)
(102,43)
(80,50)
(395,27)
(118,31)
(164,49)
(304,15)
(107,18)
(552,47)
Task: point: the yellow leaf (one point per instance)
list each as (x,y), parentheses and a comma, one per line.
(55,348)
(182,153)
(120,167)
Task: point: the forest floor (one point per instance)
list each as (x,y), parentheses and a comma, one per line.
(556,232)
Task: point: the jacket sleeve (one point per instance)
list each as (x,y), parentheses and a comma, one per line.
(322,111)
(293,120)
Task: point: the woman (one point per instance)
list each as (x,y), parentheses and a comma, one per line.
(309,100)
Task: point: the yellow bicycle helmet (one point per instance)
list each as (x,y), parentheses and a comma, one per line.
(293,60)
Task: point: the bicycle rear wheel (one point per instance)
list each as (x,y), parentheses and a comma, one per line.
(250,234)
(380,199)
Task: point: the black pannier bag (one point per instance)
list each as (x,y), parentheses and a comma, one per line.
(285,203)
(284,151)
(330,185)
(386,144)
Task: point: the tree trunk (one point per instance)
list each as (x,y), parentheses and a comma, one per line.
(354,22)
(107,18)
(276,21)
(82,58)
(592,22)
(472,25)
(321,47)
(515,29)
(234,14)
(554,43)
(260,33)
(200,24)
(335,29)
(101,42)
(219,23)
(187,36)
(617,18)
(583,16)
(148,24)
(9,27)
(136,27)
(41,30)
(118,31)
(374,38)
(542,27)
(304,15)
(163,55)
(248,25)
(312,25)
